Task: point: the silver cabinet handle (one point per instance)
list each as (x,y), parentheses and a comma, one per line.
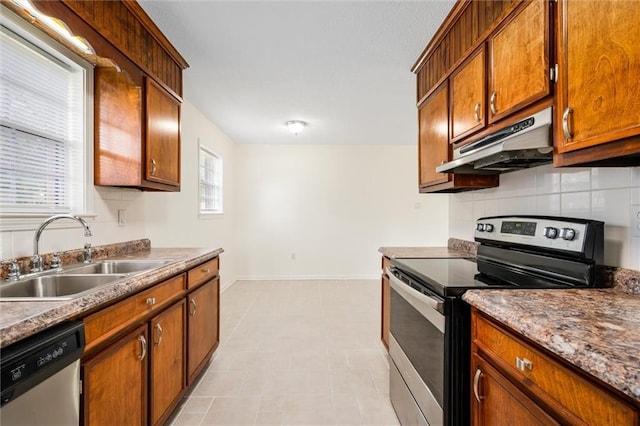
(523,364)
(151,301)
(143,347)
(154,166)
(492,103)
(476,112)
(565,123)
(476,381)
(192,311)
(159,334)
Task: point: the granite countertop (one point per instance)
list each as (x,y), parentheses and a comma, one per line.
(455,248)
(598,331)
(22,319)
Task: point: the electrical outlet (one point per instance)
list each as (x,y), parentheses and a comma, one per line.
(635,221)
(122,218)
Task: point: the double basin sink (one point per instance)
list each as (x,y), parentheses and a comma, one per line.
(73,281)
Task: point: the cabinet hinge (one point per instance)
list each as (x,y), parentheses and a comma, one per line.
(80,383)
(553,73)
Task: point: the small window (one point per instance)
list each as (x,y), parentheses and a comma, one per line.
(43,125)
(210,182)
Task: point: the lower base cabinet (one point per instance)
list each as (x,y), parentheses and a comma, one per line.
(515,381)
(203,326)
(115,383)
(167,361)
(145,351)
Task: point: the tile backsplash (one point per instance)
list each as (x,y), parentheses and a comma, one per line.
(611,195)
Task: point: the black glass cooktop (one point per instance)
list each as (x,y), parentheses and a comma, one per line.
(451,277)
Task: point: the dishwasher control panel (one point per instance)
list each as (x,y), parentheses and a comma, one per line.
(29,362)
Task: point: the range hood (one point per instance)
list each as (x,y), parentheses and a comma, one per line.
(524,144)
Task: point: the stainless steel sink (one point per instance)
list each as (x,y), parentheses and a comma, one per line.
(55,287)
(116,267)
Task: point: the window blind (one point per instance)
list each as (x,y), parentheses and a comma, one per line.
(41,129)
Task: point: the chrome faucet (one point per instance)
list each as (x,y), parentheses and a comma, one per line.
(36,259)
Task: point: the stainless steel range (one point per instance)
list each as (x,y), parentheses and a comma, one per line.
(430,324)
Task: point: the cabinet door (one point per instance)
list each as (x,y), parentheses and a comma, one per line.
(433,139)
(598,88)
(167,357)
(118,129)
(467,96)
(496,402)
(114,383)
(203,324)
(519,60)
(163,135)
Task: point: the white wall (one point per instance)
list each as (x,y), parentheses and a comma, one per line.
(67,234)
(611,195)
(173,220)
(311,211)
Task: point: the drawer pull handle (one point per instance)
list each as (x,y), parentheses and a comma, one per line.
(523,364)
(192,311)
(476,382)
(154,167)
(158,334)
(151,301)
(143,347)
(206,270)
(476,112)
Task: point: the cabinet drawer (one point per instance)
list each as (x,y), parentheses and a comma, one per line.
(110,321)
(203,272)
(565,391)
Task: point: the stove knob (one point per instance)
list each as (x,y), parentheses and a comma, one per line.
(488,227)
(480,227)
(567,234)
(551,232)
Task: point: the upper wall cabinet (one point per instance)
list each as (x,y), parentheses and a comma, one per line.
(597,109)
(519,60)
(495,57)
(138,91)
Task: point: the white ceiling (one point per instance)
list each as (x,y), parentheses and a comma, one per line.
(342,66)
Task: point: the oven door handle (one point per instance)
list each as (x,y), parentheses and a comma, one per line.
(429,307)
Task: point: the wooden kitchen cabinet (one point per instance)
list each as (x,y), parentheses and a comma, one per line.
(167,361)
(434,149)
(115,382)
(433,145)
(519,60)
(497,402)
(203,324)
(385,326)
(515,377)
(597,110)
(468,93)
(162,146)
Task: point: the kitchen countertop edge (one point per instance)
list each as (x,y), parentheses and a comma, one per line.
(19,320)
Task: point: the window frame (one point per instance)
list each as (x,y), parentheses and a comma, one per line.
(203,149)
(16,221)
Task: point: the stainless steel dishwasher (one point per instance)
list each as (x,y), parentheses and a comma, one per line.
(41,378)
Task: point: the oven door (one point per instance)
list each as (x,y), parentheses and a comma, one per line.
(417,349)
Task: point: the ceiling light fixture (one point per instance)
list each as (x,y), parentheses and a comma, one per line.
(295,126)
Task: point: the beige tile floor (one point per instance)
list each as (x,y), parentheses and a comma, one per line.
(295,353)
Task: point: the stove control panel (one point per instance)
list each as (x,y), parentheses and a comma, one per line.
(556,233)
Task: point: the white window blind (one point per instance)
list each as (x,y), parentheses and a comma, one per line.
(210,182)
(42,100)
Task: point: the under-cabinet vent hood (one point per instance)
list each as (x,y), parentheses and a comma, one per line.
(524,144)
